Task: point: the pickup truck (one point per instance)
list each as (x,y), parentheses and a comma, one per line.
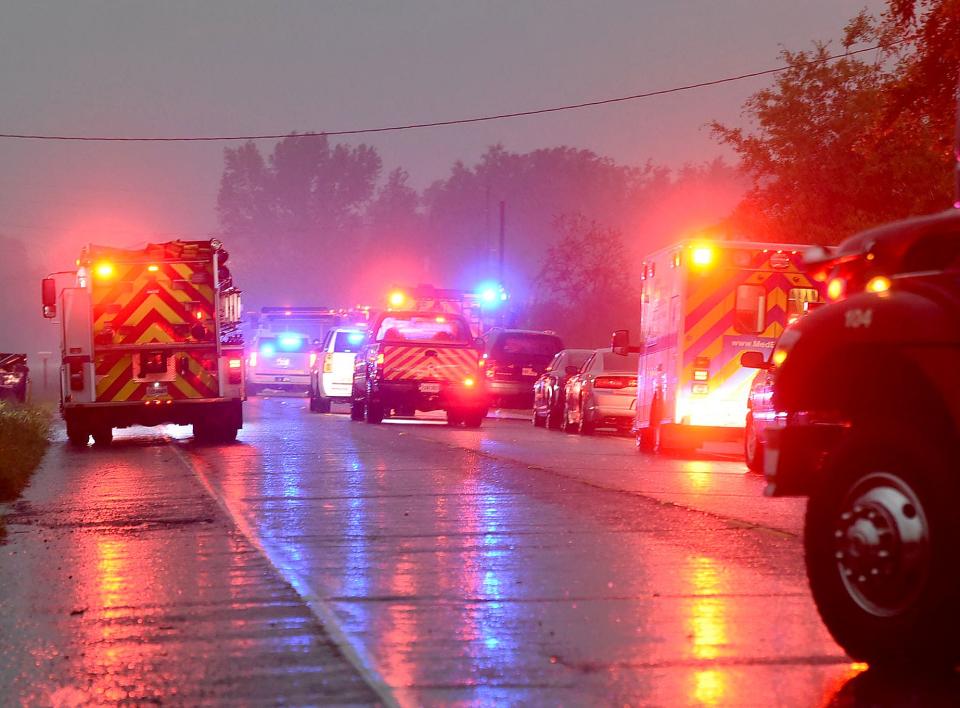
(422,361)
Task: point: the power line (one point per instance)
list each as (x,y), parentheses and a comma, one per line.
(454,121)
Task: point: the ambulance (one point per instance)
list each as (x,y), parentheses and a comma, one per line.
(703,304)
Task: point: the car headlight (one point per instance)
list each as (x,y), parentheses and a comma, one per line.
(11,379)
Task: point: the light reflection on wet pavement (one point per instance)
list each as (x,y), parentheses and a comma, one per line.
(501,566)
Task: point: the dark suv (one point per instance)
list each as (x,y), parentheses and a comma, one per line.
(514,360)
(867,424)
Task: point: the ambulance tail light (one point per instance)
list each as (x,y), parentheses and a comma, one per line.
(328,363)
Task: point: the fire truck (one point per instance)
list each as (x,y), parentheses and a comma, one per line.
(148,337)
(703,304)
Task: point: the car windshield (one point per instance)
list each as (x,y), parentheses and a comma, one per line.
(545,345)
(619,363)
(347,342)
(429,329)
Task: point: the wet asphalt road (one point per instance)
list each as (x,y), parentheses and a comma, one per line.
(321,560)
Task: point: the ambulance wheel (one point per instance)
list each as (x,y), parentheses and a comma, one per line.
(880,538)
(356,409)
(373,411)
(752,447)
(78,437)
(473,419)
(102,435)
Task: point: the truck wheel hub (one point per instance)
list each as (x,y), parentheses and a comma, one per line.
(882,545)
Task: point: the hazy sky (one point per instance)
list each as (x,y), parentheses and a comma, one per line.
(225,66)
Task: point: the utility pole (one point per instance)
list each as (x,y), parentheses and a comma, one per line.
(503,226)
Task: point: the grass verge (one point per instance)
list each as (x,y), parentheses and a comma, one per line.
(23,440)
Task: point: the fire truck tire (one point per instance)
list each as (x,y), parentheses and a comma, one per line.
(474,418)
(373,411)
(752,447)
(102,436)
(880,538)
(77,435)
(356,409)
(318,404)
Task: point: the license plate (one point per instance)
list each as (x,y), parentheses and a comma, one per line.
(527,371)
(283,362)
(429,388)
(157,389)
(280,379)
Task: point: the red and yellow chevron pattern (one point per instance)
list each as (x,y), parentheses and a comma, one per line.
(161,296)
(709,319)
(425,363)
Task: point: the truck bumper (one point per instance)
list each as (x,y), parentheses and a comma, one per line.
(410,393)
(149,413)
(794,456)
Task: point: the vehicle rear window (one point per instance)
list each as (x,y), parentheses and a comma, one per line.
(348,342)
(627,364)
(750,309)
(544,345)
(283,343)
(578,359)
(425,330)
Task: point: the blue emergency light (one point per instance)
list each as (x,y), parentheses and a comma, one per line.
(290,342)
(491,294)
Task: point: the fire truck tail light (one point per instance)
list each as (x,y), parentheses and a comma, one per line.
(878,284)
(253,359)
(836,288)
(234,375)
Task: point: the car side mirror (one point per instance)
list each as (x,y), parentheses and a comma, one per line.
(620,343)
(754,360)
(48,293)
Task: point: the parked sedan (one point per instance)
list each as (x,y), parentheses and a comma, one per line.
(760,410)
(602,394)
(548,391)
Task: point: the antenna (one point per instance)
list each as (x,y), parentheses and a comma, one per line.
(956,154)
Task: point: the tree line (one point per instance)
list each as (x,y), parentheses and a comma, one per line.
(832,147)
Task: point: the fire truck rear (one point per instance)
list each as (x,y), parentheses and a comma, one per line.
(149,337)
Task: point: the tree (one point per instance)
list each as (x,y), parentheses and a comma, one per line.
(837,148)
(584,291)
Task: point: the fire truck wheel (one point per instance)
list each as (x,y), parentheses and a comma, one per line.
(314,402)
(454,417)
(356,409)
(103,436)
(880,539)
(77,436)
(473,419)
(322,405)
(373,411)
(752,447)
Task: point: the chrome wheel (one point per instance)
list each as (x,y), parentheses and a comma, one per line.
(882,544)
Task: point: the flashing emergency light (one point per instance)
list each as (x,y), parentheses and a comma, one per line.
(267,349)
(397,298)
(491,294)
(779,356)
(468,382)
(878,284)
(104,270)
(355,337)
(702,256)
(289,342)
(153,268)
